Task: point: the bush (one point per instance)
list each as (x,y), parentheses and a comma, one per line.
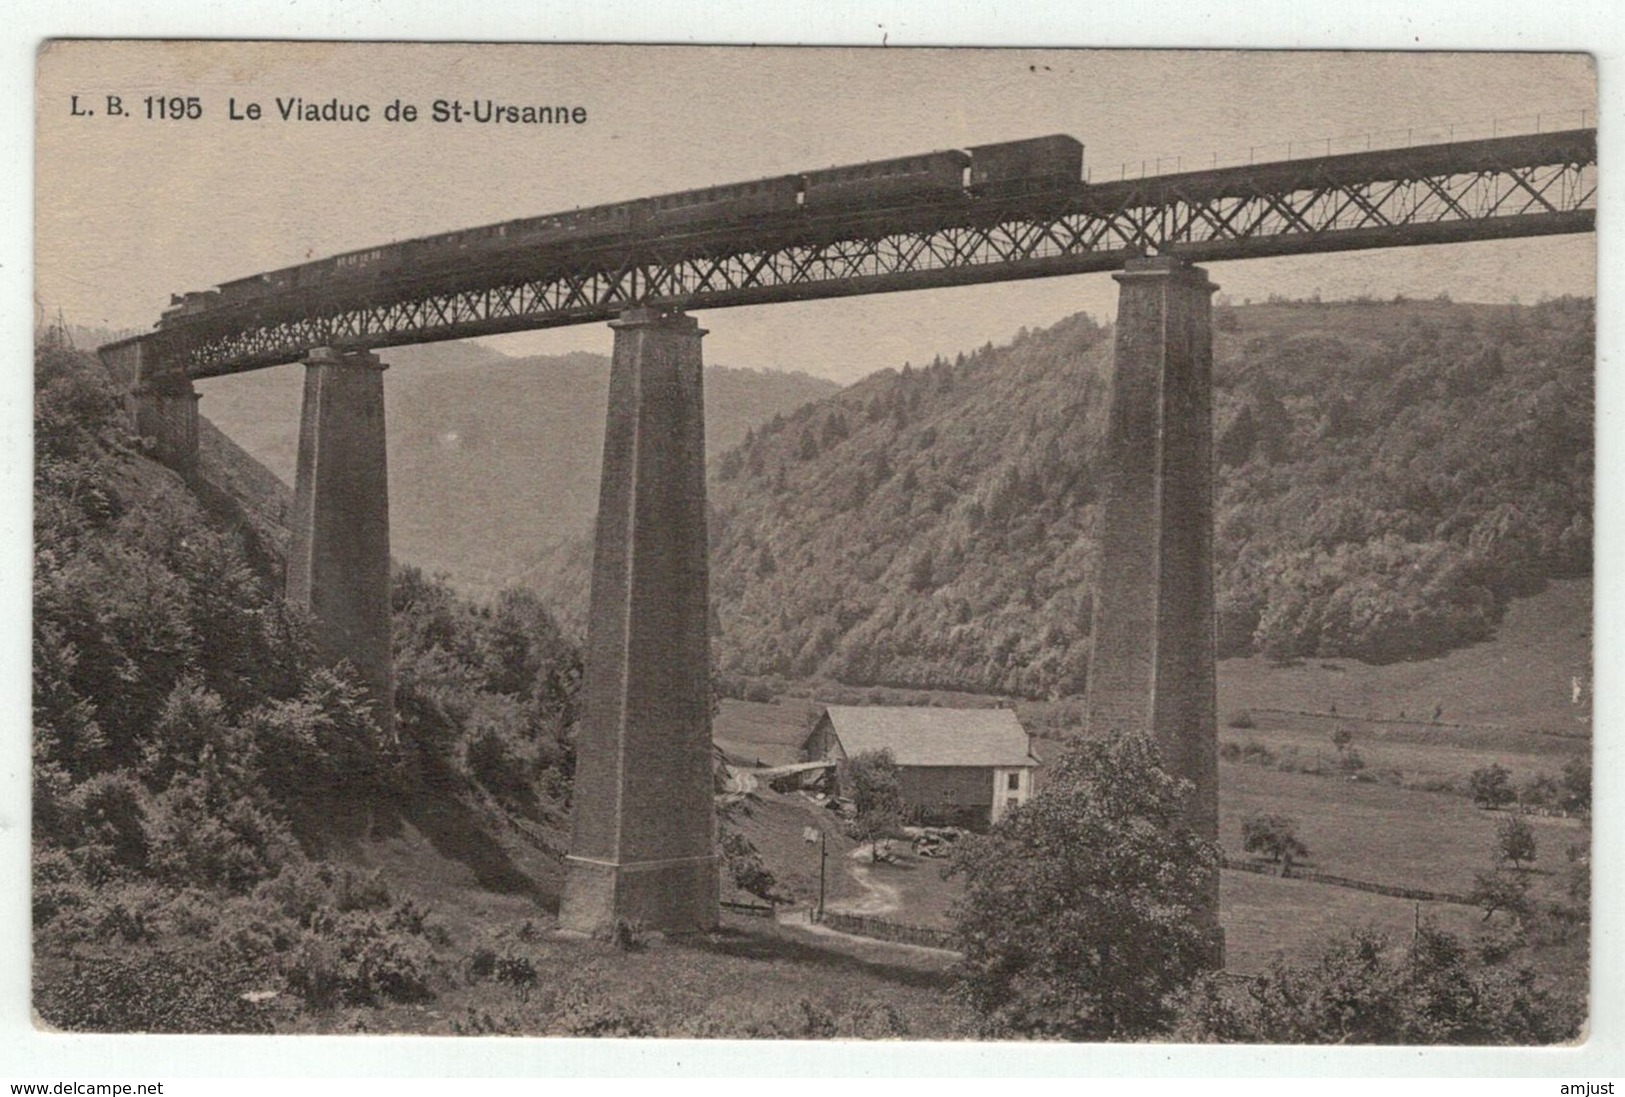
(745,866)
(202,835)
(108,826)
(1257,753)
(355,959)
(801,1019)
(1242,719)
(126,913)
(152,991)
(1362,990)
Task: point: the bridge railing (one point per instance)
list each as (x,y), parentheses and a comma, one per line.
(1309,148)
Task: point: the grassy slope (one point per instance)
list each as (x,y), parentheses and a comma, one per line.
(753,977)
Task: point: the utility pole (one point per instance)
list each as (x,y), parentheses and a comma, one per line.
(823,859)
(821,836)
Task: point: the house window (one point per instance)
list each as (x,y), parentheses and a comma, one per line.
(1013,782)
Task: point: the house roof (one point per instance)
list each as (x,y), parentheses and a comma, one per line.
(918,736)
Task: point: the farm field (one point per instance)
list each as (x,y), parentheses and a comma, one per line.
(1265,917)
(1365,831)
(1417,756)
(1383,834)
(1262,915)
(1522,678)
(1508,701)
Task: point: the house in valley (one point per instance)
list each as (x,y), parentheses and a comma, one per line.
(956,766)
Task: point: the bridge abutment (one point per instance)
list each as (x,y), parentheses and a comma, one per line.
(643,829)
(338,564)
(1151,669)
(160,402)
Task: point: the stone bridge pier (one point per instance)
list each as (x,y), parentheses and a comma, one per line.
(643,831)
(338,563)
(1151,669)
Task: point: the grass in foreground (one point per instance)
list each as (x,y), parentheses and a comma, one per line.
(752,978)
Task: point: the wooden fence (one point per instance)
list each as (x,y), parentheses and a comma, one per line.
(879,928)
(1397,892)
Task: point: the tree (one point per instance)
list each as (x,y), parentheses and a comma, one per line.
(1491,786)
(1576,786)
(877,793)
(1275,836)
(1515,840)
(1081,908)
(1501,889)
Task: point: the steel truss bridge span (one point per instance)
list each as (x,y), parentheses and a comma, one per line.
(1489,189)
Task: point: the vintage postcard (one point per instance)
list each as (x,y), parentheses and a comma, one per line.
(813,543)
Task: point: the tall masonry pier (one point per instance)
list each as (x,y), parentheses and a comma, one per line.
(1152,665)
(338,564)
(641,848)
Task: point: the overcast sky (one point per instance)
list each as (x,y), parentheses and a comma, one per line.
(130,210)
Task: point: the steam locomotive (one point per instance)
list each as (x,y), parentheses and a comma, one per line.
(1001,170)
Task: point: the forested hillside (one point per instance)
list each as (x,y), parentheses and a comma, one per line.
(193,756)
(1390,474)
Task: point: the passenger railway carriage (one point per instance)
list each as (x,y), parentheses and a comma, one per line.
(981,172)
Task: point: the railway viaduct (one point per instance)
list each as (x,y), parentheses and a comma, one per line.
(643,825)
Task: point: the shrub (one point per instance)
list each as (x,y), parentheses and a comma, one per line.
(356,960)
(115,911)
(1362,990)
(518,972)
(152,991)
(745,866)
(57,886)
(586,1018)
(108,831)
(1257,753)
(1540,791)
(310,892)
(1242,719)
(202,835)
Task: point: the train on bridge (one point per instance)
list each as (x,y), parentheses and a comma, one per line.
(981,172)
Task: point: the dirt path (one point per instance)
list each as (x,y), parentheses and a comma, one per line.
(878,898)
(801,919)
